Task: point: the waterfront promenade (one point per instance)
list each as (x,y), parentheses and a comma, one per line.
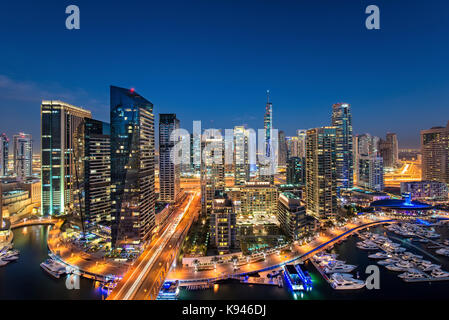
(275,261)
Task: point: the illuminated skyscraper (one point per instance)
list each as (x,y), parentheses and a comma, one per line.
(92,186)
(389,150)
(4,153)
(169,171)
(241,160)
(23,155)
(342,121)
(296,173)
(368,163)
(392,138)
(259,199)
(302,135)
(132,167)
(223,232)
(435,154)
(212,170)
(321,172)
(293,147)
(59,120)
(283,150)
(265,169)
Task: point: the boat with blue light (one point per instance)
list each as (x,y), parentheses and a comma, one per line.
(293,278)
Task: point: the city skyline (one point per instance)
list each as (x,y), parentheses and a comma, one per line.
(225,69)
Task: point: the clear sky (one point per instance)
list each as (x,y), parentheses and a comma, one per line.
(213,60)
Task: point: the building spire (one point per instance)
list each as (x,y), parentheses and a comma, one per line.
(268,96)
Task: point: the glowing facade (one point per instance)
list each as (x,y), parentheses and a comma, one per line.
(23,155)
(435,154)
(342,121)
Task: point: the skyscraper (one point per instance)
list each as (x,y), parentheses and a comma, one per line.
(296,173)
(283,153)
(212,170)
(241,156)
(59,121)
(266,169)
(435,154)
(132,167)
(302,135)
(169,170)
(223,224)
(368,162)
(389,150)
(92,186)
(321,172)
(4,153)
(342,121)
(392,138)
(23,155)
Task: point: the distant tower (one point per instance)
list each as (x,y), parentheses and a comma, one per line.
(4,151)
(435,154)
(268,126)
(23,155)
(342,121)
(169,172)
(241,156)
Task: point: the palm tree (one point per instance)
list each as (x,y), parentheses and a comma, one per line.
(235,260)
(196,263)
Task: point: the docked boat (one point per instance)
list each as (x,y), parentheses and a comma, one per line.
(339,267)
(53,267)
(293,278)
(443,252)
(3,263)
(394,267)
(378,255)
(411,274)
(10,258)
(438,273)
(387,261)
(305,277)
(367,245)
(342,281)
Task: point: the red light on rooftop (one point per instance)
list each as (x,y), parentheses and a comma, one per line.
(132,90)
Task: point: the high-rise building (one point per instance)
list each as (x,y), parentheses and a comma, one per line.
(321,172)
(23,155)
(389,150)
(169,170)
(59,121)
(435,154)
(223,232)
(259,199)
(296,171)
(266,169)
(302,136)
(4,153)
(342,121)
(212,171)
(132,167)
(92,186)
(293,147)
(392,139)
(283,150)
(292,217)
(368,163)
(241,156)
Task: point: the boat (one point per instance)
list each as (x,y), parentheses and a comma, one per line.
(305,277)
(343,281)
(53,267)
(292,277)
(10,258)
(438,273)
(367,245)
(431,267)
(443,252)
(394,267)
(378,255)
(339,267)
(411,274)
(3,263)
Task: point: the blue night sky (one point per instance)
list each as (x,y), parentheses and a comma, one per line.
(213,60)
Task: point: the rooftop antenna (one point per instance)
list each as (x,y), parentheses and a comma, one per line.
(268,96)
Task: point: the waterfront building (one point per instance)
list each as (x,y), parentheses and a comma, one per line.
(169,170)
(132,167)
(342,121)
(293,220)
(212,170)
(321,172)
(4,154)
(59,120)
(23,155)
(241,156)
(435,154)
(426,190)
(296,173)
(368,163)
(223,232)
(259,199)
(92,187)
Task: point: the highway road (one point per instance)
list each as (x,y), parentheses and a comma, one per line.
(145,279)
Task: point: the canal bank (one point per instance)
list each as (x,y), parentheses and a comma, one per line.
(24,279)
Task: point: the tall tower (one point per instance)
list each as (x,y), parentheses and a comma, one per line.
(169,171)
(4,153)
(23,155)
(241,156)
(59,121)
(92,187)
(321,172)
(342,121)
(435,154)
(132,167)
(282,149)
(269,147)
(392,139)
(368,162)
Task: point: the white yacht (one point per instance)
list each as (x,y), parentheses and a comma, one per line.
(3,263)
(395,267)
(411,274)
(367,245)
(378,255)
(342,281)
(443,252)
(54,268)
(339,268)
(438,273)
(387,261)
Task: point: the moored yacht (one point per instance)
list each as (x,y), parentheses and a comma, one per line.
(342,281)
